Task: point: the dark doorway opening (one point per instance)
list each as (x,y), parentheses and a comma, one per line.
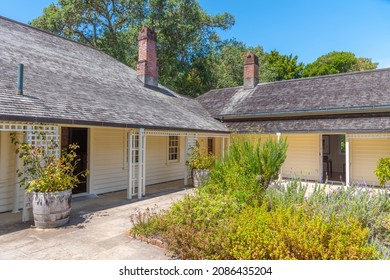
(333,157)
(79,136)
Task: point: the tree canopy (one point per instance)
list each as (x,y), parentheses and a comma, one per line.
(192,58)
(228,63)
(337,62)
(186,33)
(283,67)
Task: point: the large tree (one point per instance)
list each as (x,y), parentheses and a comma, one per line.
(186,33)
(228,63)
(283,67)
(338,62)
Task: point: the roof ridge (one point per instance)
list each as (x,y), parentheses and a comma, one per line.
(329,76)
(307,78)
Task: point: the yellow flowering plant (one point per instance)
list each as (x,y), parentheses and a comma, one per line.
(43,171)
(200,160)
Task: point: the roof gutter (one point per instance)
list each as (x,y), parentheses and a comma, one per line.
(301,113)
(101,124)
(297,131)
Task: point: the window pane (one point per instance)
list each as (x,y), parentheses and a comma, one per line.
(210,145)
(173,148)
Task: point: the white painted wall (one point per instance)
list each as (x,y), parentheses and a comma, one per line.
(303,154)
(108,166)
(107,171)
(365,154)
(158,168)
(7,172)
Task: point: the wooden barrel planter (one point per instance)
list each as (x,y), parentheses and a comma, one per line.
(51,209)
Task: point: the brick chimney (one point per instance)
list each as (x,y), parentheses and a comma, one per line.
(251,70)
(147,70)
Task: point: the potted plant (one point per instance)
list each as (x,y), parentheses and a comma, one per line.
(50,179)
(200,164)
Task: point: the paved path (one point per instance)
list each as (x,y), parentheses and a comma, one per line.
(97,230)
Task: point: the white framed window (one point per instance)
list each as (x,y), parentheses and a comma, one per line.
(173,148)
(135,150)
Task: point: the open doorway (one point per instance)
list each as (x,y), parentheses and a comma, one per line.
(333,157)
(70,135)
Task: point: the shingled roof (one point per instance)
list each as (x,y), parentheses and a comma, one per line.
(345,102)
(68,82)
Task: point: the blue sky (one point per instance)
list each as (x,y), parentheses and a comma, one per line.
(306,28)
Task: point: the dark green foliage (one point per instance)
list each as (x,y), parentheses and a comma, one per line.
(228,64)
(192,59)
(186,34)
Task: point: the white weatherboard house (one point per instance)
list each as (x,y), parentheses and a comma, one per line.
(133,132)
(337,126)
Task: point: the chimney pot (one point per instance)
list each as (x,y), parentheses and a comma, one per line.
(147,70)
(251,70)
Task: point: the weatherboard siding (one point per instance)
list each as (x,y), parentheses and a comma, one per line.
(7,173)
(108,166)
(107,171)
(302,159)
(365,154)
(158,168)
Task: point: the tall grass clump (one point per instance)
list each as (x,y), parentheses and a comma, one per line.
(247,169)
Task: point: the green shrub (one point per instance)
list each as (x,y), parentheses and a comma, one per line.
(247,169)
(371,207)
(291,193)
(382,171)
(272,156)
(149,223)
(226,220)
(295,233)
(203,210)
(191,227)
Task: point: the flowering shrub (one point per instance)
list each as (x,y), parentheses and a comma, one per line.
(296,233)
(44,172)
(199,159)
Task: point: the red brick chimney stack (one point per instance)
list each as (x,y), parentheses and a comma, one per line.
(251,70)
(147,70)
